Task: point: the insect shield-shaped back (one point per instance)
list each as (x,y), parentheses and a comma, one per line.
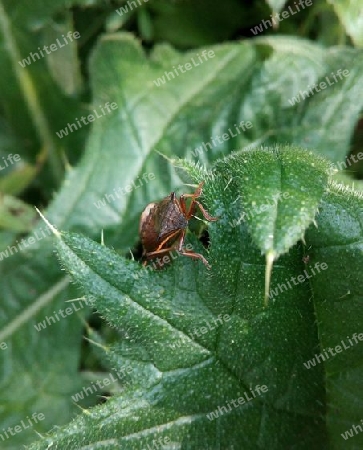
(163,226)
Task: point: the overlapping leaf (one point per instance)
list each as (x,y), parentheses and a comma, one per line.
(240,83)
(255,346)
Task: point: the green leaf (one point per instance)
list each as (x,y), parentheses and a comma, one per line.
(205,108)
(35,377)
(119,68)
(350,15)
(279,191)
(29,273)
(282,108)
(35,106)
(249,81)
(15,215)
(227,341)
(63,64)
(17,180)
(337,240)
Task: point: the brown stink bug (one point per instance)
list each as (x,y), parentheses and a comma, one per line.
(163,226)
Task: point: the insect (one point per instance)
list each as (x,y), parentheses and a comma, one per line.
(163,226)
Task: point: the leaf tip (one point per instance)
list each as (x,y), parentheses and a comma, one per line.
(49,225)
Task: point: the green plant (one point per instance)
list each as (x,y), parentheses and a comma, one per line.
(268,157)
(197,340)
